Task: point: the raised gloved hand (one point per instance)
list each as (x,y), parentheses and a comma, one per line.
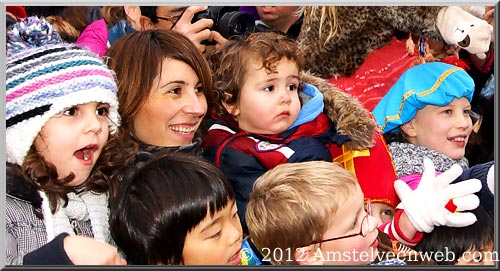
(459,27)
(436,202)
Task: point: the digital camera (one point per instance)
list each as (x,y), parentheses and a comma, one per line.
(228,21)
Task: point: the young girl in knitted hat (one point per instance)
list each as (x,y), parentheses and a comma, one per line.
(61,109)
(427,114)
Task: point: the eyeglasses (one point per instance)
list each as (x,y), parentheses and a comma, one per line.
(169,18)
(172,19)
(363,231)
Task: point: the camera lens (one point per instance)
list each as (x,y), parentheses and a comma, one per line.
(227,21)
(235,23)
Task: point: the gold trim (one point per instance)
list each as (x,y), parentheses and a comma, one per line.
(424,93)
(348,156)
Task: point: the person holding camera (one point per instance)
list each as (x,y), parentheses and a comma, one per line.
(203,25)
(180,19)
(99,35)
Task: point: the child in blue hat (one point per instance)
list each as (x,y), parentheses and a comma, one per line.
(427,113)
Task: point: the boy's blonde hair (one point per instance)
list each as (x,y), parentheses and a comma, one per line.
(291,205)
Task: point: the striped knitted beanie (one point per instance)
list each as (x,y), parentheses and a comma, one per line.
(42,80)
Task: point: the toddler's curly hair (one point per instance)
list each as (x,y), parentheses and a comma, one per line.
(230,63)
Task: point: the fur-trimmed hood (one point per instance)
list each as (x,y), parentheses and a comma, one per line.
(351,117)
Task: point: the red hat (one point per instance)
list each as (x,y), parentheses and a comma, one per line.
(374,170)
(17,11)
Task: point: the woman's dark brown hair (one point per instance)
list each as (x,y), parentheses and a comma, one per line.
(137,59)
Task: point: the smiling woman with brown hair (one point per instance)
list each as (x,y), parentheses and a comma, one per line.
(163,88)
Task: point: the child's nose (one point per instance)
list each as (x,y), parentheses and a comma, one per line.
(378,219)
(94,125)
(286,97)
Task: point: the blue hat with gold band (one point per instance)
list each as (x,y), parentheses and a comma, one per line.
(433,83)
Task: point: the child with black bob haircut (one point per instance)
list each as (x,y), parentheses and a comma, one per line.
(174,209)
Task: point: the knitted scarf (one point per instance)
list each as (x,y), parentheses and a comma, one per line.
(81,207)
(409,159)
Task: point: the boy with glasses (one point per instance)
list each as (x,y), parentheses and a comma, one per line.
(314,213)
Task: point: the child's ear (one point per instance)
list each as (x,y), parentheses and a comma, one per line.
(409,129)
(232,109)
(308,256)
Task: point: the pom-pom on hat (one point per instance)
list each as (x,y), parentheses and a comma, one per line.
(31,32)
(433,83)
(44,78)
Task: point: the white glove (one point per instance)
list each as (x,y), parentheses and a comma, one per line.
(426,205)
(459,27)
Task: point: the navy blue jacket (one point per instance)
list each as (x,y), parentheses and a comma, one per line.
(243,156)
(486,197)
